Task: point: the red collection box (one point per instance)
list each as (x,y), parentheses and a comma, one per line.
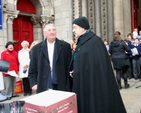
(51,101)
(18,88)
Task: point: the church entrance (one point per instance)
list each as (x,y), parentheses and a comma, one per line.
(22,30)
(136,16)
(22,26)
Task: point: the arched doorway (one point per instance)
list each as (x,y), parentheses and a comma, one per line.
(22,26)
(22,30)
(136,17)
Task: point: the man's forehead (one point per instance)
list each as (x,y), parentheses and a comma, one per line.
(75,25)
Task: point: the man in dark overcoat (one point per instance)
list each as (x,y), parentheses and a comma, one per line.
(49,63)
(93,78)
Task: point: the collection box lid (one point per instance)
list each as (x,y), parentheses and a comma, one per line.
(53,101)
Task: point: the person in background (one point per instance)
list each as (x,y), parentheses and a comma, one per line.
(93,77)
(106,45)
(135,60)
(118,49)
(130,43)
(139,50)
(139,36)
(135,33)
(49,63)
(23,57)
(129,39)
(9,81)
(31,46)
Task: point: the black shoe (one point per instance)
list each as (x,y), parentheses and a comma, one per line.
(15,96)
(119,87)
(127,86)
(9,98)
(136,78)
(29,94)
(129,77)
(25,94)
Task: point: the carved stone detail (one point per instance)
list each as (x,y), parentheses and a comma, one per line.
(35,20)
(76,6)
(52,12)
(9,15)
(10,18)
(91,14)
(46,19)
(104,18)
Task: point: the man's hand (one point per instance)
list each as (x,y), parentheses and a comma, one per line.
(34,88)
(71,73)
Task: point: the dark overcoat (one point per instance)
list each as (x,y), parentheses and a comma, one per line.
(93,78)
(40,65)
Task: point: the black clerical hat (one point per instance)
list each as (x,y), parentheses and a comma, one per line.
(82,22)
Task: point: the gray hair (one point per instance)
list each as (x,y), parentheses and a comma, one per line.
(25,42)
(45,27)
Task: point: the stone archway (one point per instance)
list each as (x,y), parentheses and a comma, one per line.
(45,14)
(45,11)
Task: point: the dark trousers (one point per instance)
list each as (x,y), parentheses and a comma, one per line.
(55,86)
(136,68)
(121,73)
(130,69)
(140,67)
(26,85)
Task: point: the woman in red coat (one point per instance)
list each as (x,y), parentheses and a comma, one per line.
(9,81)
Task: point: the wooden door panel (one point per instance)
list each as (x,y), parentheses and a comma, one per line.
(22,30)
(25,35)
(16,40)
(134,14)
(26,23)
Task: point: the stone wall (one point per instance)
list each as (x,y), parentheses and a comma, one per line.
(63,19)
(122,17)
(105,16)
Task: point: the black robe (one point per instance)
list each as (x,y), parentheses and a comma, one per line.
(93,78)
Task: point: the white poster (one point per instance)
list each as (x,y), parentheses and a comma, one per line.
(134,51)
(1,82)
(12,73)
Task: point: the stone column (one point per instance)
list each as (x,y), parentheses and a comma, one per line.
(97,17)
(118,16)
(70,33)
(10,19)
(110,20)
(37,33)
(84,8)
(122,17)
(10,15)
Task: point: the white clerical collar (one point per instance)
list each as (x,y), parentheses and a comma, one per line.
(50,47)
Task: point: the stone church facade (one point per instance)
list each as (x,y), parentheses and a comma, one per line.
(105,17)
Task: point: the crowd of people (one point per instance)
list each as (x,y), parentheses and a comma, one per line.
(81,66)
(125,54)
(19,62)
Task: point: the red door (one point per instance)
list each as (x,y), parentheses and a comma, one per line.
(134,9)
(22,30)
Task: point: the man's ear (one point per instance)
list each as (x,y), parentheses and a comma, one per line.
(44,33)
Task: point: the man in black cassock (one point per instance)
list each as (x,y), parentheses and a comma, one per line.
(93,78)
